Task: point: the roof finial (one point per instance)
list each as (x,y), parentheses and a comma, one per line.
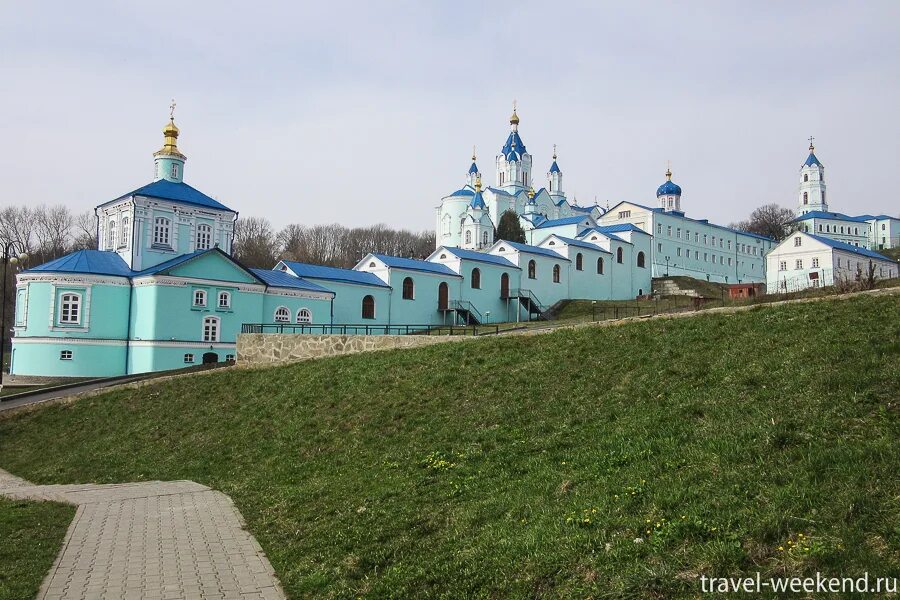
(668,170)
(514,119)
(473,153)
(172,110)
(554,151)
(811,147)
(531,192)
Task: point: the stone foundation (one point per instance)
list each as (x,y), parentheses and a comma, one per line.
(267,348)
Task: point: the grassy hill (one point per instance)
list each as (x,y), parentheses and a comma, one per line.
(604,462)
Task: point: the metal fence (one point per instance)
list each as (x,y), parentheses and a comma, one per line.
(368,329)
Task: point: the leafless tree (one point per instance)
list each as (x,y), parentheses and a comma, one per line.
(770,220)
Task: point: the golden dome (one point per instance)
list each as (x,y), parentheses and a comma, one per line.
(170,143)
(514,119)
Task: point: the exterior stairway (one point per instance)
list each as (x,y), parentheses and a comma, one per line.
(529,302)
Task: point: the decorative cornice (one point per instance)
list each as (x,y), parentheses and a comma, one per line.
(72,279)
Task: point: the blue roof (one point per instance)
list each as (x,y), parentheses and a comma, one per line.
(477,201)
(619,228)
(474,168)
(466,191)
(876,217)
(533,250)
(581,244)
(411,264)
(286,280)
(668,189)
(499,191)
(564,221)
(586,209)
(811,160)
(172,262)
(819,214)
(513,141)
(179,192)
(92,262)
(608,234)
(480,257)
(848,247)
(554,168)
(680,215)
(309,271)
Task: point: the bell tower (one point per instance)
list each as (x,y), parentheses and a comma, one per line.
(168,160)
(812,184)
(514,162)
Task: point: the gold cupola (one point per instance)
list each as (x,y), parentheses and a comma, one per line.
(170,141)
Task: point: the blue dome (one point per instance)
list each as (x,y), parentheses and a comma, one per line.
(473,168)
(668,189)
(477,201)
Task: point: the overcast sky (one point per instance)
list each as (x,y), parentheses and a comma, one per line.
(365,112)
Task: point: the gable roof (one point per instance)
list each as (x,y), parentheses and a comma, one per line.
(619,228)
(848,247)
(680,215)
(577,219)
(336,274)
(176,191)
(581,244)
(479,256)
(286,280)
(172,262)
(608,234)
(88,262)
(821,214)
(411,264)
(525,248)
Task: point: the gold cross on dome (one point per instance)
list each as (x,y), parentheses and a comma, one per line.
(172,110)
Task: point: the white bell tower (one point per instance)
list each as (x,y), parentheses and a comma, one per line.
(514,162)
(812,184)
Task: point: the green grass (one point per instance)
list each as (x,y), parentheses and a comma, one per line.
(526,467)
(31,535)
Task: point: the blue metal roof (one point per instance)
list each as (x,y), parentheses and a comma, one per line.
(172,262)
(533,250)
(513,141)
(608,234)
(819,214)
(473,169)
(876,217)
(411,264)
(179,192)
(668,189)
(309,271)
(477,201)
(499,191)
(466,191)
(581,244)
(680,215)
(619,228)
(812,160)
(480,257)
(564,221)
(849,248)
(89,262)
(286,280)
(554,168)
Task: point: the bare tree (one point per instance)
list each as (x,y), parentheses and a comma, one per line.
(770,220)
(255,244)
(84,236)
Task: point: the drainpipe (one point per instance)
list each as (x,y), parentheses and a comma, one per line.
(128,325)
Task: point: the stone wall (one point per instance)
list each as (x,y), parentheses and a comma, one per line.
(267,348)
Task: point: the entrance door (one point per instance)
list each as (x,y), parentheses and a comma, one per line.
(443,296)
(210,357)
(504,285)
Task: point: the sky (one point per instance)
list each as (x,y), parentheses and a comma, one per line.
(366,112)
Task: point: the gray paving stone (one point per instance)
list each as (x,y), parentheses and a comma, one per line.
(155,540)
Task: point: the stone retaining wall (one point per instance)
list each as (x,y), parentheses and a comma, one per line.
(263,348)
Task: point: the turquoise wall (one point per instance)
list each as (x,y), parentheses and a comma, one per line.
(424,309)
(348,302)
(487,298)
(88,360)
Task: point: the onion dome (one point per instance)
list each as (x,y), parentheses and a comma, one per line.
(668,188)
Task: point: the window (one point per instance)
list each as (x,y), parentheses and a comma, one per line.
(476,279)
(842,229)
(669,231)
(447,224)
(368,307)
(882,226)
(532,270)
(820,227)
(409,289)
(678,233)
(696,255)
(806,177)
(600,266)
(111,236)
(815,263)
(678,251)
(729,261)
(721,260)
(798,264)
(199,298)
(188,358)
(729,244)
(713,240)
(126,225)
(229,358)
(224,299)
(303,316)
(174,170)
(705,257)
(161,227)
(640,259)
(782,266)
(619,255)
(468,237)
(696,238)
(659,247)
(70,309)
(704,239)
(805,197)
(484,238)
(798,241)
(282,315)
(65,355)
(204,237)
(624,214)
(555,273)
(579,262)
(211,329)
(856,231)
(659,229)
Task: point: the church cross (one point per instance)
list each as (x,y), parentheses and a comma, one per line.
(172,110)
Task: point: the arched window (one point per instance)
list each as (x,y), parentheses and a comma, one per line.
(504,286)
(409,289)
(368,307)
(70,309)
(204,237)
(199,297)
(111,236)
(600,266)
(555,273)
(806,177)
(282,315)
(476,279)
(304,316)
(126,226)
(805,197)
(447,221)
(640,260)
(619,255)
(161,226)
(211,329)
(484,238)
(224,299)
(468,237)
(579,262)
(532,269)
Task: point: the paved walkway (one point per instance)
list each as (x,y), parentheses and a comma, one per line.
(154,540)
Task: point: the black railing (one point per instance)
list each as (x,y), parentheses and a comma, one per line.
(366,329)
(464,306)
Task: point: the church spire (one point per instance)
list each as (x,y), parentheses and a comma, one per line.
(554,179)
(514,162)
(473,174)
(169,161)
(812,184)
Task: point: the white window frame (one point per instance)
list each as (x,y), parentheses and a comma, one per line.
(126,223)
(79,306)
(227,296)
(211,329)
(66,355)
(199,299)
(189,358)
(304,316)
(162,230)
(285,312)
(204,237)
(111,239)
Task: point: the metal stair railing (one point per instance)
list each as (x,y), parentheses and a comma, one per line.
(464,306)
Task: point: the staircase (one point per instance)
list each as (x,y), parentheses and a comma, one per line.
(465,311)
(529,302)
